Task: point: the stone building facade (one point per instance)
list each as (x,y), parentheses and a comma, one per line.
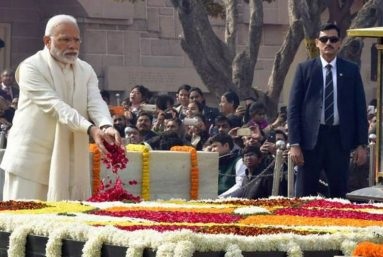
(137,43)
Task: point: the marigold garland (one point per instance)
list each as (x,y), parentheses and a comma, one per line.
(96,167)
(368,249)
(116,110)
(290,220)
(194,170)
(145,181)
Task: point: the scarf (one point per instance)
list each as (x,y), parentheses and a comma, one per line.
(69,176)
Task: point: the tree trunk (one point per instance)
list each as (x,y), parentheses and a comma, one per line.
(210,56)
(369,16)
(221,68)
(304,21)
(244,62)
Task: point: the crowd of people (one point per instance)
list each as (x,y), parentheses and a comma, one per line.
(238,130)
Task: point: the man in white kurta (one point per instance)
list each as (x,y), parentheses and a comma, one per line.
(47,152)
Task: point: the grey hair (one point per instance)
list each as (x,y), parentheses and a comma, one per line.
(56,20)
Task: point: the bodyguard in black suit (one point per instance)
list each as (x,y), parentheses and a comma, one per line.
(327,117)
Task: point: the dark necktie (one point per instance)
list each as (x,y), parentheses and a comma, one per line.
(329,97)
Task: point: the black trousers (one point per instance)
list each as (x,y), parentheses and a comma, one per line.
(329,156)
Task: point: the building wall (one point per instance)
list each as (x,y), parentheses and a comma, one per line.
(129,44)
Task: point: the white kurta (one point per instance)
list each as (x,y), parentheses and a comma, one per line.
(47,143)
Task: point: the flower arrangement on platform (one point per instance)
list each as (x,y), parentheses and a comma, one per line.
(145,180)
(96,168)
(194,171)
(115,160)
(178,228)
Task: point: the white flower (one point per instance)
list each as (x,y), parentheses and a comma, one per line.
(348,246)
(293,250)
(233,250)
(248,210)
(184,249)
(18,240)
(166,250)
(92,247)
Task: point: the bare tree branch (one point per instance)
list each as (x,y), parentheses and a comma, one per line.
(231,24)
(244,62)
(369,16)
(210,55)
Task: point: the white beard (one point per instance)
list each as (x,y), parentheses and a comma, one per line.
(62,56)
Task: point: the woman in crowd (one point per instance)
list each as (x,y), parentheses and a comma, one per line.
(229,103)
(182,97)
(138,95)
(197,133)
(193,109)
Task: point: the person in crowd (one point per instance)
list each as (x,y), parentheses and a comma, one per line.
(256,137)
(197,133)
(229,103)
(226,125)
(159,123)
(7,111)
(208,112)
(133,135)
(165,141)
(176,125)
(359,174)
(193,109)
(129,116)
(164,102)
(258,179)
(231,168)
(50,133)
(182,98)
(240,112)
(257,115)
(269,145)
(372,125)
(9,89)
(144,125)
(247,102)
(235,120)
(327,117)
(119,123)
(138,95)
(6,115)
(222,125)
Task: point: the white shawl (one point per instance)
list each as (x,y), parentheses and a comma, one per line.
(69,176)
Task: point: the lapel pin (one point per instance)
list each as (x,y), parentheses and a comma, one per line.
(340,74)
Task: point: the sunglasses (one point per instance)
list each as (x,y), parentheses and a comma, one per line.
(325,39)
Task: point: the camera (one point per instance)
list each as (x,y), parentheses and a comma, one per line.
(149,107)
(243,132)
(271,137)
(190,121)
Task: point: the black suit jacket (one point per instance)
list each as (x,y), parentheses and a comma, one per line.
(305,105)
